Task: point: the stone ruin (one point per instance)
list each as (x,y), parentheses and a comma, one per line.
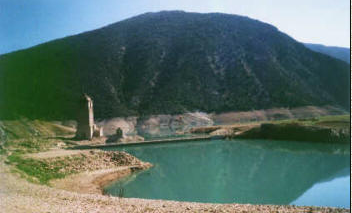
(86,128)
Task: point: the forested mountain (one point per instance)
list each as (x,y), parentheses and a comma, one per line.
(170,62)
(336,52)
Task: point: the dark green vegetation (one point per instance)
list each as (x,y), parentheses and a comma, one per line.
(30,136)
(170,62)
(25,128)
(34,170)
(39,170)
(333,129)
(296,132)
(21,137)
(336,52)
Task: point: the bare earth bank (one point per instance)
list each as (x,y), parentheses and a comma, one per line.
(93,182)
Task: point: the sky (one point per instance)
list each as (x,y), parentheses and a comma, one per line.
(25,23)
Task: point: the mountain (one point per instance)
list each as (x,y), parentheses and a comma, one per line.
(170,62)
(336,52)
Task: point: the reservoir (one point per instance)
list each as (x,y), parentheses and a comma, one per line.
(241,171)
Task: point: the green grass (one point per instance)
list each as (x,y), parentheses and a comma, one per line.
(29,145)
(330,129)
(2,151)
(36,170)
(31,136)
(25,128)
(317,121)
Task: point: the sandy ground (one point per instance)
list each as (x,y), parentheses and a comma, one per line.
(19,195)
(55,153)
(93,182)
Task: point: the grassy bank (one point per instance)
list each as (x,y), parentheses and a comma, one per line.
(38,169)
(296,132)
(332,129)
(31,147)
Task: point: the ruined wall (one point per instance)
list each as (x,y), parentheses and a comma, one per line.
(85,119)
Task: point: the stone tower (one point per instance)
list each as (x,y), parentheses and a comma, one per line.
(86,128)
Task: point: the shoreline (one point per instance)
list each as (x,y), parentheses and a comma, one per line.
(159,141)
(19,195)
(90,171)
(93,182)
(327,130)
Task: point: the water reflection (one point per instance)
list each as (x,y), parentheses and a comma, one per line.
(265,172)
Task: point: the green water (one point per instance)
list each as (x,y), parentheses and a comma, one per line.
(241,171)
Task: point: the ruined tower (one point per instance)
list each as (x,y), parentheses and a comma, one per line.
(86,128)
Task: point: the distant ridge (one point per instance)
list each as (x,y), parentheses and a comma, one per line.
(170,62)
(341,53)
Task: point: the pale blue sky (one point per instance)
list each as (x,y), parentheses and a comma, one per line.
(24,23)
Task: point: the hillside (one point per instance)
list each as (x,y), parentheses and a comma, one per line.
(170,62)
(336,52)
